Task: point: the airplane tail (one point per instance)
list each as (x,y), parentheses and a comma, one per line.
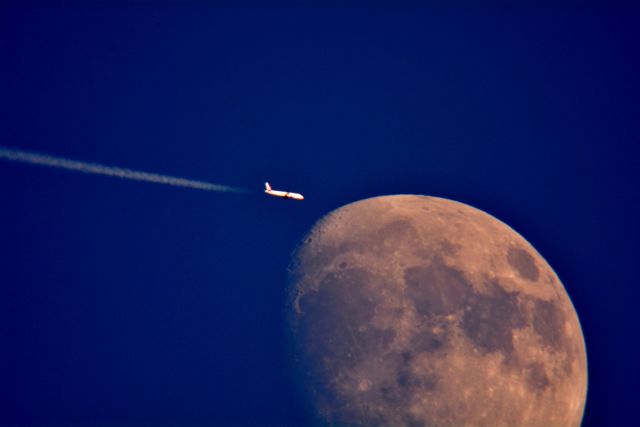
(267,186)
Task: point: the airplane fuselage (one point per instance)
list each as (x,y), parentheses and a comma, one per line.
(284,194)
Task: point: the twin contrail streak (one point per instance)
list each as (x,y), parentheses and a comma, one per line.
(32,158)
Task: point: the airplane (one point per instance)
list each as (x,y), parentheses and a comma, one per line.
(283,194)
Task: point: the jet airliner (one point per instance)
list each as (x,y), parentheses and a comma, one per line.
(284,194)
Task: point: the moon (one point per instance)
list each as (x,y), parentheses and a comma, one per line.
(420,311)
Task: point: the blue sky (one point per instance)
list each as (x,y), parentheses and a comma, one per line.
(132,303)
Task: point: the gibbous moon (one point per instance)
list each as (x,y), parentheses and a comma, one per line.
(420,311)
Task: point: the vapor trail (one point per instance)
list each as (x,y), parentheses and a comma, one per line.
(32,158)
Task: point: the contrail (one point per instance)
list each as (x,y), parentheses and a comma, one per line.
(32,158)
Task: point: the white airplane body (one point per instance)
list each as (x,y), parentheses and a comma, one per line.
(284,194)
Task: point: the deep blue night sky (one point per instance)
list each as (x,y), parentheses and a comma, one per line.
(127,303)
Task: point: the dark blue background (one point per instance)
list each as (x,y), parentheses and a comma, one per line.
(132,303)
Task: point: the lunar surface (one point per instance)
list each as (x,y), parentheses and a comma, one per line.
(420,311)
